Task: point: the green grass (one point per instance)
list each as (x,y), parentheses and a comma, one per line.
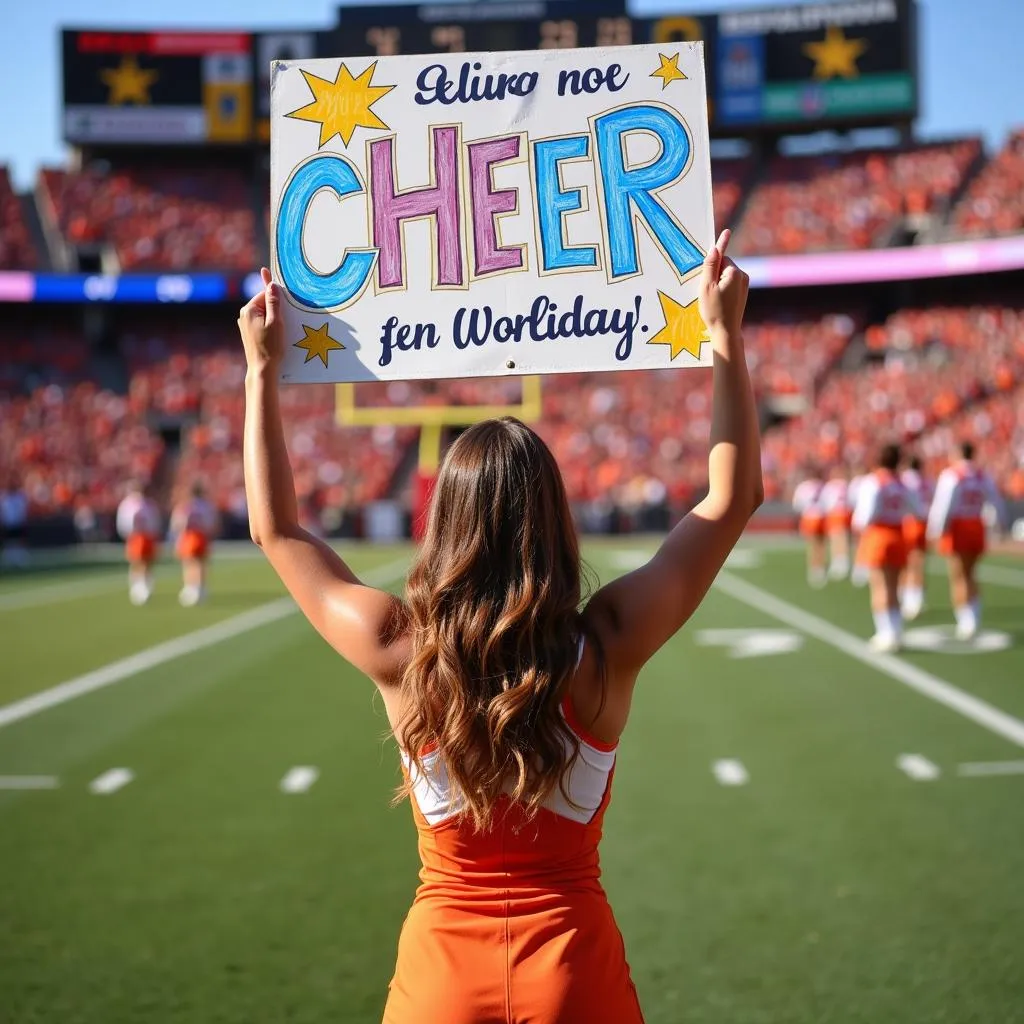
(830,888)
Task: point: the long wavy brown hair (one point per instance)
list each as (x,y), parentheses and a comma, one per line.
(494,600)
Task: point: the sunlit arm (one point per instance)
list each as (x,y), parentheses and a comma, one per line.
(358,621)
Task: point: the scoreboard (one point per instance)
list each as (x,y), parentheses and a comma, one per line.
(157,87)
(454,28)
(793,67)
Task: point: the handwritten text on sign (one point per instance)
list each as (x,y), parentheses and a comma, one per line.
(491,213)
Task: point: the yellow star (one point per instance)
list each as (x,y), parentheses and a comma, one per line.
(835,56)
(669,70)
(342,106)
(318,343)
(684,330)
(128,83)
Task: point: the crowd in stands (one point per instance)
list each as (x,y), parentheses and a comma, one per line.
(630,439)
(932,366)
(156,218)
(850,200)
(16,249)
(994,203)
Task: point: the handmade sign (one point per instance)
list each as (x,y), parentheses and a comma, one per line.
(491,214)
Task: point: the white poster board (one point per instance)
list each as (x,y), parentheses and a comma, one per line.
(491,214)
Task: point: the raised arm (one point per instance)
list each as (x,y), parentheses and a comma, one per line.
(637,613)
(361,623)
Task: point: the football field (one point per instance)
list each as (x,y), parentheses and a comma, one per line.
(195,819)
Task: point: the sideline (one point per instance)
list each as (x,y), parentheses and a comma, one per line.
(167,651)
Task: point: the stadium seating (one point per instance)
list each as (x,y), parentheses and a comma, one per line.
(156,219)
(935,365)
(16,249)
(994,203)
(850,200)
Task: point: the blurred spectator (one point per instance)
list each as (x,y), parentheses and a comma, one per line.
(849,200)
(157,219)
(994,204)
(16,249)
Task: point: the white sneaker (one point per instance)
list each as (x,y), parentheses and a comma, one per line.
(859,576)
(885,643)
(839,570)
(816,579)
(139,593)
(966,631)
(188,597)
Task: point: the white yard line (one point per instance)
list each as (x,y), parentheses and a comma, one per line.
(730,772)
(167,651)
(938,690)
(918,768)
(977,769)
(53,593)
(29,782)
(299,779)
(111,781)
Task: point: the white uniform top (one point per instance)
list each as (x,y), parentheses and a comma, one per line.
(195,514)
(807,497)
(962,492)
(882,500)
(835,495)
(920,487)
(138,514)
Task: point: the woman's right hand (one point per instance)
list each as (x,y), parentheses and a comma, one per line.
(259,323)
(723,289)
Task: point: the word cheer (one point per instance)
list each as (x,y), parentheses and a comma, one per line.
(628,193)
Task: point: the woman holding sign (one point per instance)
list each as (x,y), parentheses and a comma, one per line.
(506,699)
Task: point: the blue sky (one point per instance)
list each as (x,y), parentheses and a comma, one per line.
(971,67)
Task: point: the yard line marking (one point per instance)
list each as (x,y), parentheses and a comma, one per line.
(976,769)
(730,772)
(161,653)
(111,781)
(971,707)
(53,593)
(918,768)
(29,782)
(299,779)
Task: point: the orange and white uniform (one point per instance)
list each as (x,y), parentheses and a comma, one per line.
(195,522)
(835,503)
(914,526)
(512,925)
(883,503)
(956,520)
(138,523)
(807,505)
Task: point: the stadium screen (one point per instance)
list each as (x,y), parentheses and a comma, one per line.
(157,87)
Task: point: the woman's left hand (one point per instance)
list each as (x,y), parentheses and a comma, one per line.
(259,323)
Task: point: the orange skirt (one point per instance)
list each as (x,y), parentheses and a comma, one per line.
(839,522)
(812,524)
(551,960)
(963,537)
(882,547)
(914,533)
(140,547)
(192,544)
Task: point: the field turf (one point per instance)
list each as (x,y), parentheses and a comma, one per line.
(771,853)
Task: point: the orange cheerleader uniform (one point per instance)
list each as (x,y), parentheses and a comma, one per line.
(963,537)
(512,926)
(882,545)
(141,547)
(915,534)
(193,544)
(812,524)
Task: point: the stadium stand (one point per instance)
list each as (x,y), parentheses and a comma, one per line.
(155,218)
(17,251)
(851,200)
(994,203)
